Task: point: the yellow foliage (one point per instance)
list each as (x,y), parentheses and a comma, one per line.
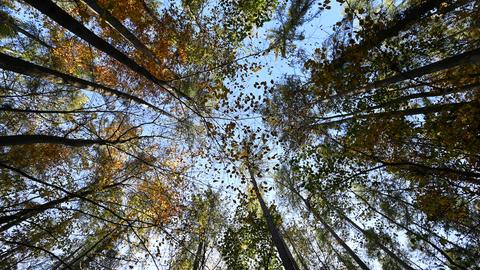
(43,155)
(438,207)
(71,56)
(162,203)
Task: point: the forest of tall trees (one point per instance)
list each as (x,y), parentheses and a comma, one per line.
(240,134)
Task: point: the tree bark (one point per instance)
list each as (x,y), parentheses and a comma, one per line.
(407,112)
(20,216)
(100,244)
(18,65)
(11,22)
(150,12)
(285,255)
(30,35)
(313,211)
(444,254)
(117,25)
(64,19)
(401,23)
(300,257)
(470,57)
(350,252)
(198,255)
(438,93)
(470,176)
(48,139)
(378,242)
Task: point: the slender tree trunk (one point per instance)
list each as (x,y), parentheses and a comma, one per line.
(313,211)
(48,139)
(436,93)
(18,65)
(38,248)
(407,112)
(78,261)
(469,176)
(11,22)
(285,255)
(80,111)
(64,19)
(117,25)
(470,57)
(398,100)
(299,256)
(150,12)
(350,252)
(204,252)
(198,255)
(20,216)
(441,251)
(322,261)
(80,195)
(400,23)
(377,241)
(4,255)
(348,264)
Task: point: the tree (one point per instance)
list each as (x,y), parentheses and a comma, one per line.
(247,242)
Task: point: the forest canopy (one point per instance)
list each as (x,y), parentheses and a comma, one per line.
(240,134)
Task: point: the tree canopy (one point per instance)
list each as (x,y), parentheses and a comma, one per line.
(240,134)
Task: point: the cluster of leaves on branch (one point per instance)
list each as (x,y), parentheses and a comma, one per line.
(247,242)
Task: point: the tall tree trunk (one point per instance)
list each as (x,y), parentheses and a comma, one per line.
(441,251)
(35,247)
(64,19)
(49,139)
(313,211)
(438,93)
(198,255)
(377,241)
(348,264)
(79,111)
(322,261)
(299,256)
(285,255)
(15,26)
(117,25)
(22,215)
(407,112)
(468,176)
(203,258)
(350,252)
(150,12)
(18,65)
(400,23)
(77,261)
(470,57)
